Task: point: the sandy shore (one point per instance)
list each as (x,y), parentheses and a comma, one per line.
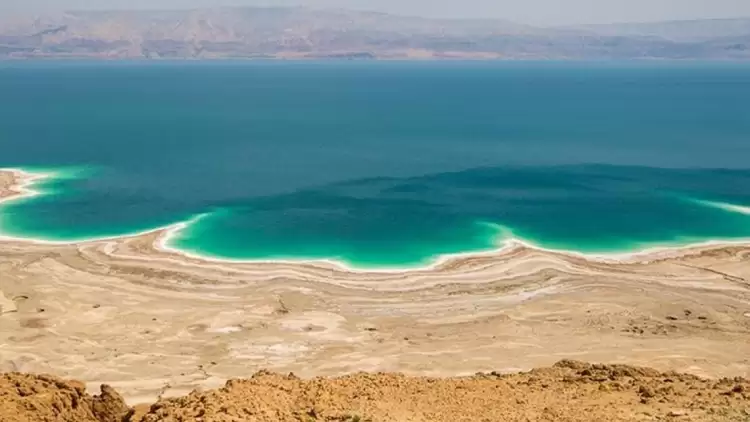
(152,322)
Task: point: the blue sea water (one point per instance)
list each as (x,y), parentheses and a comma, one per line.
(380,163)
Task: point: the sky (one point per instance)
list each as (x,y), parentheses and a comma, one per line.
(537,12)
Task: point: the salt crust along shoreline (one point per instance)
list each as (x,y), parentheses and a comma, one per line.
(155,322)
(21,186)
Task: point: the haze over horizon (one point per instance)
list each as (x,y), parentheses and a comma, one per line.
(534,12)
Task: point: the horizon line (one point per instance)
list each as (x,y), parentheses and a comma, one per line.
(38,14)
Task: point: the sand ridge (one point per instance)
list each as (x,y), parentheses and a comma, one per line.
(156,323)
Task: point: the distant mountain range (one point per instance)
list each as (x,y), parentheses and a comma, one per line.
(309,33)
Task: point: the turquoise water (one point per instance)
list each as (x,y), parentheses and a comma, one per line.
(380,163)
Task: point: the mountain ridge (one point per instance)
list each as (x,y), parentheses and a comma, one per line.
(296,32)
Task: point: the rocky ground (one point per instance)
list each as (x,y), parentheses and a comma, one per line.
(568,391)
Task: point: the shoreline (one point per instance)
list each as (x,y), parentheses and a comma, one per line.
(155,322)
(23,181)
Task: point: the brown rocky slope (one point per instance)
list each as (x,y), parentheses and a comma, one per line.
(568,391)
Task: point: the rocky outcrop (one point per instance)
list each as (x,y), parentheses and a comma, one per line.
(109,406)
(43,398)
(569,391)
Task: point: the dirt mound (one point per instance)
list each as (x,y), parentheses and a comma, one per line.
(569,391)
(41,398)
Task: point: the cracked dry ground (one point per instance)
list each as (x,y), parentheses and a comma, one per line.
(568,391)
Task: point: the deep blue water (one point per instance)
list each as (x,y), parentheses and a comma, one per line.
(380,163)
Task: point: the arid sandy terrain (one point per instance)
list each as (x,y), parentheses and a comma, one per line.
(152,323)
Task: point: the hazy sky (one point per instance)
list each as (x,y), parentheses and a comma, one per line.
(544,12)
